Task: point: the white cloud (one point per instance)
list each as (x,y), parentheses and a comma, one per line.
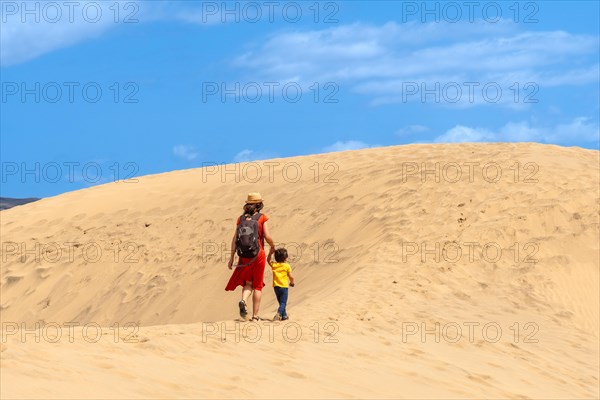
(56,25)
(187,153)
(32,29)
(379,60)
(462,133)
(347,145)
(407,130)
(580,129)
(247,155)
(243,156)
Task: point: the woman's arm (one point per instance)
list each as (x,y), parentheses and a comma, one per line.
(230,265)
(267,235)
(269,257)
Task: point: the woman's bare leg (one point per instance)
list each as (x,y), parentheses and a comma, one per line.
(256,302)
(246,291)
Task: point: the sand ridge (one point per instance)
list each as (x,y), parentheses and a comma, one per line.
(388,244)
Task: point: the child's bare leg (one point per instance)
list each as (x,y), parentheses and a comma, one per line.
(256,302)
(246,291)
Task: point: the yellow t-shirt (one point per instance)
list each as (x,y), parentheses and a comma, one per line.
(280,274)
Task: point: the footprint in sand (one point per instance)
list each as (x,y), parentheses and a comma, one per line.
(78,217)
(104,365)
(16,229)
(42,272)
(480,378)
(12,279)
(55,222)
(294,374)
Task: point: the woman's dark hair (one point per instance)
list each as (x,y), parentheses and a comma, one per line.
(281,255)
(252,208)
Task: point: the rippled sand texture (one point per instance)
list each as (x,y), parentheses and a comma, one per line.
(470,285)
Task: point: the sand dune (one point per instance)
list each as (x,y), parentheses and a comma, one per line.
(476,280)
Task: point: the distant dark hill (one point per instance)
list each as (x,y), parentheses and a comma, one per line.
(7,202)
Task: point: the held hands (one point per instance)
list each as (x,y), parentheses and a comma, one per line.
(271,251)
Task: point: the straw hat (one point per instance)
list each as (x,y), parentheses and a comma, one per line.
(254,198)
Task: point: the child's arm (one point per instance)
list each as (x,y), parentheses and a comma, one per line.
(292,283)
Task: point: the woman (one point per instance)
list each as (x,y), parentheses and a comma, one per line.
(249,272)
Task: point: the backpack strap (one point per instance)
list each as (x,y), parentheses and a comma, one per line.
(248,263)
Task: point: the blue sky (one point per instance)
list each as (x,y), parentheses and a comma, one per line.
(97,90)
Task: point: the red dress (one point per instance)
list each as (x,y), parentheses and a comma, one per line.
(256,270)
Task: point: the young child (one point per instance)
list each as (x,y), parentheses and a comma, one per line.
(282,274)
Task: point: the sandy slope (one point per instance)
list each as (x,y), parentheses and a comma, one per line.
(357,223)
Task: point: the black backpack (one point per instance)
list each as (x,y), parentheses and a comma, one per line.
(246,236)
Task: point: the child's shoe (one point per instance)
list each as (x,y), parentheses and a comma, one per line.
(277,317)
(285,317)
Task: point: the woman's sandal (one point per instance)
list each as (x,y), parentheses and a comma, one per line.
(243,309)
(255,318)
